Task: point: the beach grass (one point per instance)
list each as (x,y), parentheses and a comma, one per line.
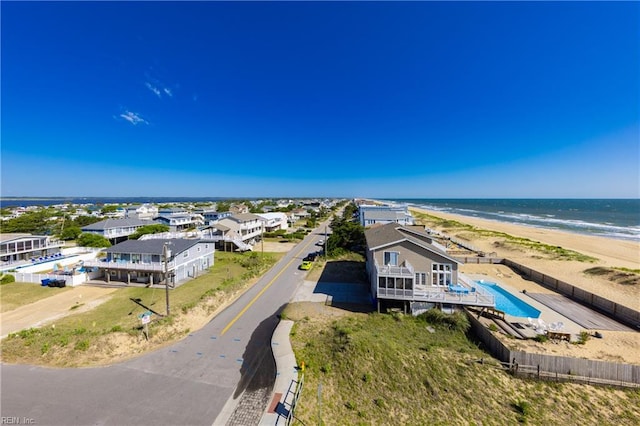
(502,239)
(624,276)
(58,344)
(388,369)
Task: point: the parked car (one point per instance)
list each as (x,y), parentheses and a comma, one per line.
(305,265)
(311,256)
(320,243)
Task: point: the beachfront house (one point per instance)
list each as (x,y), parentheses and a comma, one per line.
(22,248)
(370,214)
(151,261)
(408,269)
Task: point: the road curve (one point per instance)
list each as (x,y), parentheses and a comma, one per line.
(188,383)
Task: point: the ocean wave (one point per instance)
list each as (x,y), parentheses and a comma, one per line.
(548,221)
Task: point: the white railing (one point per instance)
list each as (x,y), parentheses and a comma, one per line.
(438,296)
(153,266)
(395,270)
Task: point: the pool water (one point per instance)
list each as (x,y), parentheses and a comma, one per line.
(507,302)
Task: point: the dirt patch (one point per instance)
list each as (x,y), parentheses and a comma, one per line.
(275,246)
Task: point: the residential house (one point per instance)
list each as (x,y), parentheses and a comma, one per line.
(369,214)
(178,219)
(408,269)
(239,209)
(141,211)
(274,221)
(212,216)
(177,223)
(115,230)
(243,229)
(17,248)
(155,260)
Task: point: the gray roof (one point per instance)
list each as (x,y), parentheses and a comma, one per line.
(153,246)
(244,217)
(385,214)
(115,223)
(391,233)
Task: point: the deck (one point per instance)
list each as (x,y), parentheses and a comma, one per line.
(580,314)
(438,296)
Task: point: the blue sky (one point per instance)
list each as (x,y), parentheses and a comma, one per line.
(337,99)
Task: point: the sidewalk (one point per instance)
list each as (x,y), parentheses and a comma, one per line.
(286,374)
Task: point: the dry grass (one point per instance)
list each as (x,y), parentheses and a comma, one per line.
(14,295)
(113,332)
(380,369)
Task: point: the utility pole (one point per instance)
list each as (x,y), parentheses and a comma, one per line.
(325,241)
(166,253)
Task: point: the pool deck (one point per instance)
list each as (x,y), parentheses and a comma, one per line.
(547,314)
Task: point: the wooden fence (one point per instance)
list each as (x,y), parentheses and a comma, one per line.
(558,367)
(620,313)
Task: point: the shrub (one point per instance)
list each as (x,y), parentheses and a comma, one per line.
(523,407)
(541,338)
(457,321)
(82,345)
(583,338)
(7,278)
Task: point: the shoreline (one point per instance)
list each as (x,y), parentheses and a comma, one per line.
(605,248)
(609,252)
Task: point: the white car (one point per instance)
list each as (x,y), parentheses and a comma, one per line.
(320,243)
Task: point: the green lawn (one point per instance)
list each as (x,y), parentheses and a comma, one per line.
(86,333)
(14,295)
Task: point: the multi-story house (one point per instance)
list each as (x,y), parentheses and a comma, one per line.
(369,215)
(274,221)
(18,248)
(408,269)
(143,211)
(155,260)
(242,230)
(115,230)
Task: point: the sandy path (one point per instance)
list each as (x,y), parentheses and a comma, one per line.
(51,308)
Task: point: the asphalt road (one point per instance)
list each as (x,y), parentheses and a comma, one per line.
(197,381)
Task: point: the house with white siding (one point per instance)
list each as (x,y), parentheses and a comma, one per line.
(115,230)
(152,261)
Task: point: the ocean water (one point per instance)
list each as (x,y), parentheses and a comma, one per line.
(612,218)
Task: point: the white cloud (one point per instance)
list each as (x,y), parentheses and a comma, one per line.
(133,118)
(168,91)
(154,89)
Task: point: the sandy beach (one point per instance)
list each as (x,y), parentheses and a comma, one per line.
(610,253)
(615,346)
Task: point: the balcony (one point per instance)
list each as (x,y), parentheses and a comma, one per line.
(395,271)
(130,266)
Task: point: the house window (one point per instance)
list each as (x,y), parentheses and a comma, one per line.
(421,278)
(186,254)
(391,258)
(441,274)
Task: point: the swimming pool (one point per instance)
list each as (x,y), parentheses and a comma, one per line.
(507,302)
